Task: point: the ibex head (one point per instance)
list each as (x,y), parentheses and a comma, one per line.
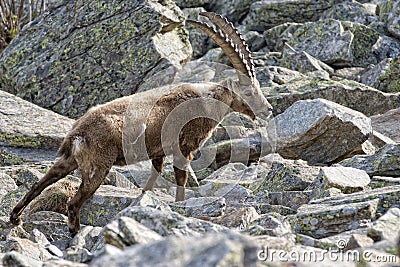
(250,100)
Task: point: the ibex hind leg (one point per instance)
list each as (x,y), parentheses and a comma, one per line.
(59,170)
(91,181)
(181,167)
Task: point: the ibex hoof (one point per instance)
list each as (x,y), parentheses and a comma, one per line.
(15,219)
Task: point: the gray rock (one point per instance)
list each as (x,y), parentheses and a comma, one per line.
(14,258)
(336,43)
(53,225)
(267,14)
(208,250)
(10,199)
(388,198)
(153,199)
(388,124)
(390,14)
(290,199)
(386,227)
(351,11)
(7,184)
(56,61)
(322,220)
(288,175)
(319,131)
(118,179)
(385,162)
(372,76)
(275,75)
(346,179)
(237,218)
(27,248)
(269,224)
(359,240)
(126,232)
(106,203)
(169,223)
(389,80)
(202,207)
(303,62)
(350,94)
(23,124)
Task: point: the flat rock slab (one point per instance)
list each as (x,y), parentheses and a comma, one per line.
(385,162)
(319,131)
(322,220)
(23,124)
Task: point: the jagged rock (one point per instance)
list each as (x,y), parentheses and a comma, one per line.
(388,197)
(27,248)
(269,224)
(237,217)
(202,207)
(358,240)
(336,43)
(153,199)
(267,14)
(126,232)
(198,39)
(386,227)
(303,62)
(56,197)
(53,225)
(10,199)
(169,223)
(350,73)
(109,46)
(208,250)
(82,247)
(321,220)
(23,124)
(389,80)
(372,76)
(388,124)
(290,199)
(347,93)
(8,158)
(118,179)
(14,258)
(385,162)
(319,131)
(383,181)
(234,10)
(288,175)
(274,75)
(7,184)
(346,179)
(390,14)
(106,203)
(192,3)
(351,11)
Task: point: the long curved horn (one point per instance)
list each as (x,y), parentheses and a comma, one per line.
(232,32)
(231,49)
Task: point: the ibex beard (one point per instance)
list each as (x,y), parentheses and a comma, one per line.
(146,126)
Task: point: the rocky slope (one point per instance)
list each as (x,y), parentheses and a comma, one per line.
(326,178)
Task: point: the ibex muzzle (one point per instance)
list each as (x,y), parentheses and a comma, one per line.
(95,142)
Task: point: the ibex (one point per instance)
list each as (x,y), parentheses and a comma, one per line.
(95,142)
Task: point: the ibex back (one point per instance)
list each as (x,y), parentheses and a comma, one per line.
(95,142)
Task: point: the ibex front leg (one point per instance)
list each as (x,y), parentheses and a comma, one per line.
(156,170)
(181,166)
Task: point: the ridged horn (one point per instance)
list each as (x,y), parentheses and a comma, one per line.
(228,47)
(232,33)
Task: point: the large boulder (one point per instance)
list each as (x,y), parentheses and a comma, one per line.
(347,93)
(23,124)
(319,131)
(84,53)
(389,13)
(266,14)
